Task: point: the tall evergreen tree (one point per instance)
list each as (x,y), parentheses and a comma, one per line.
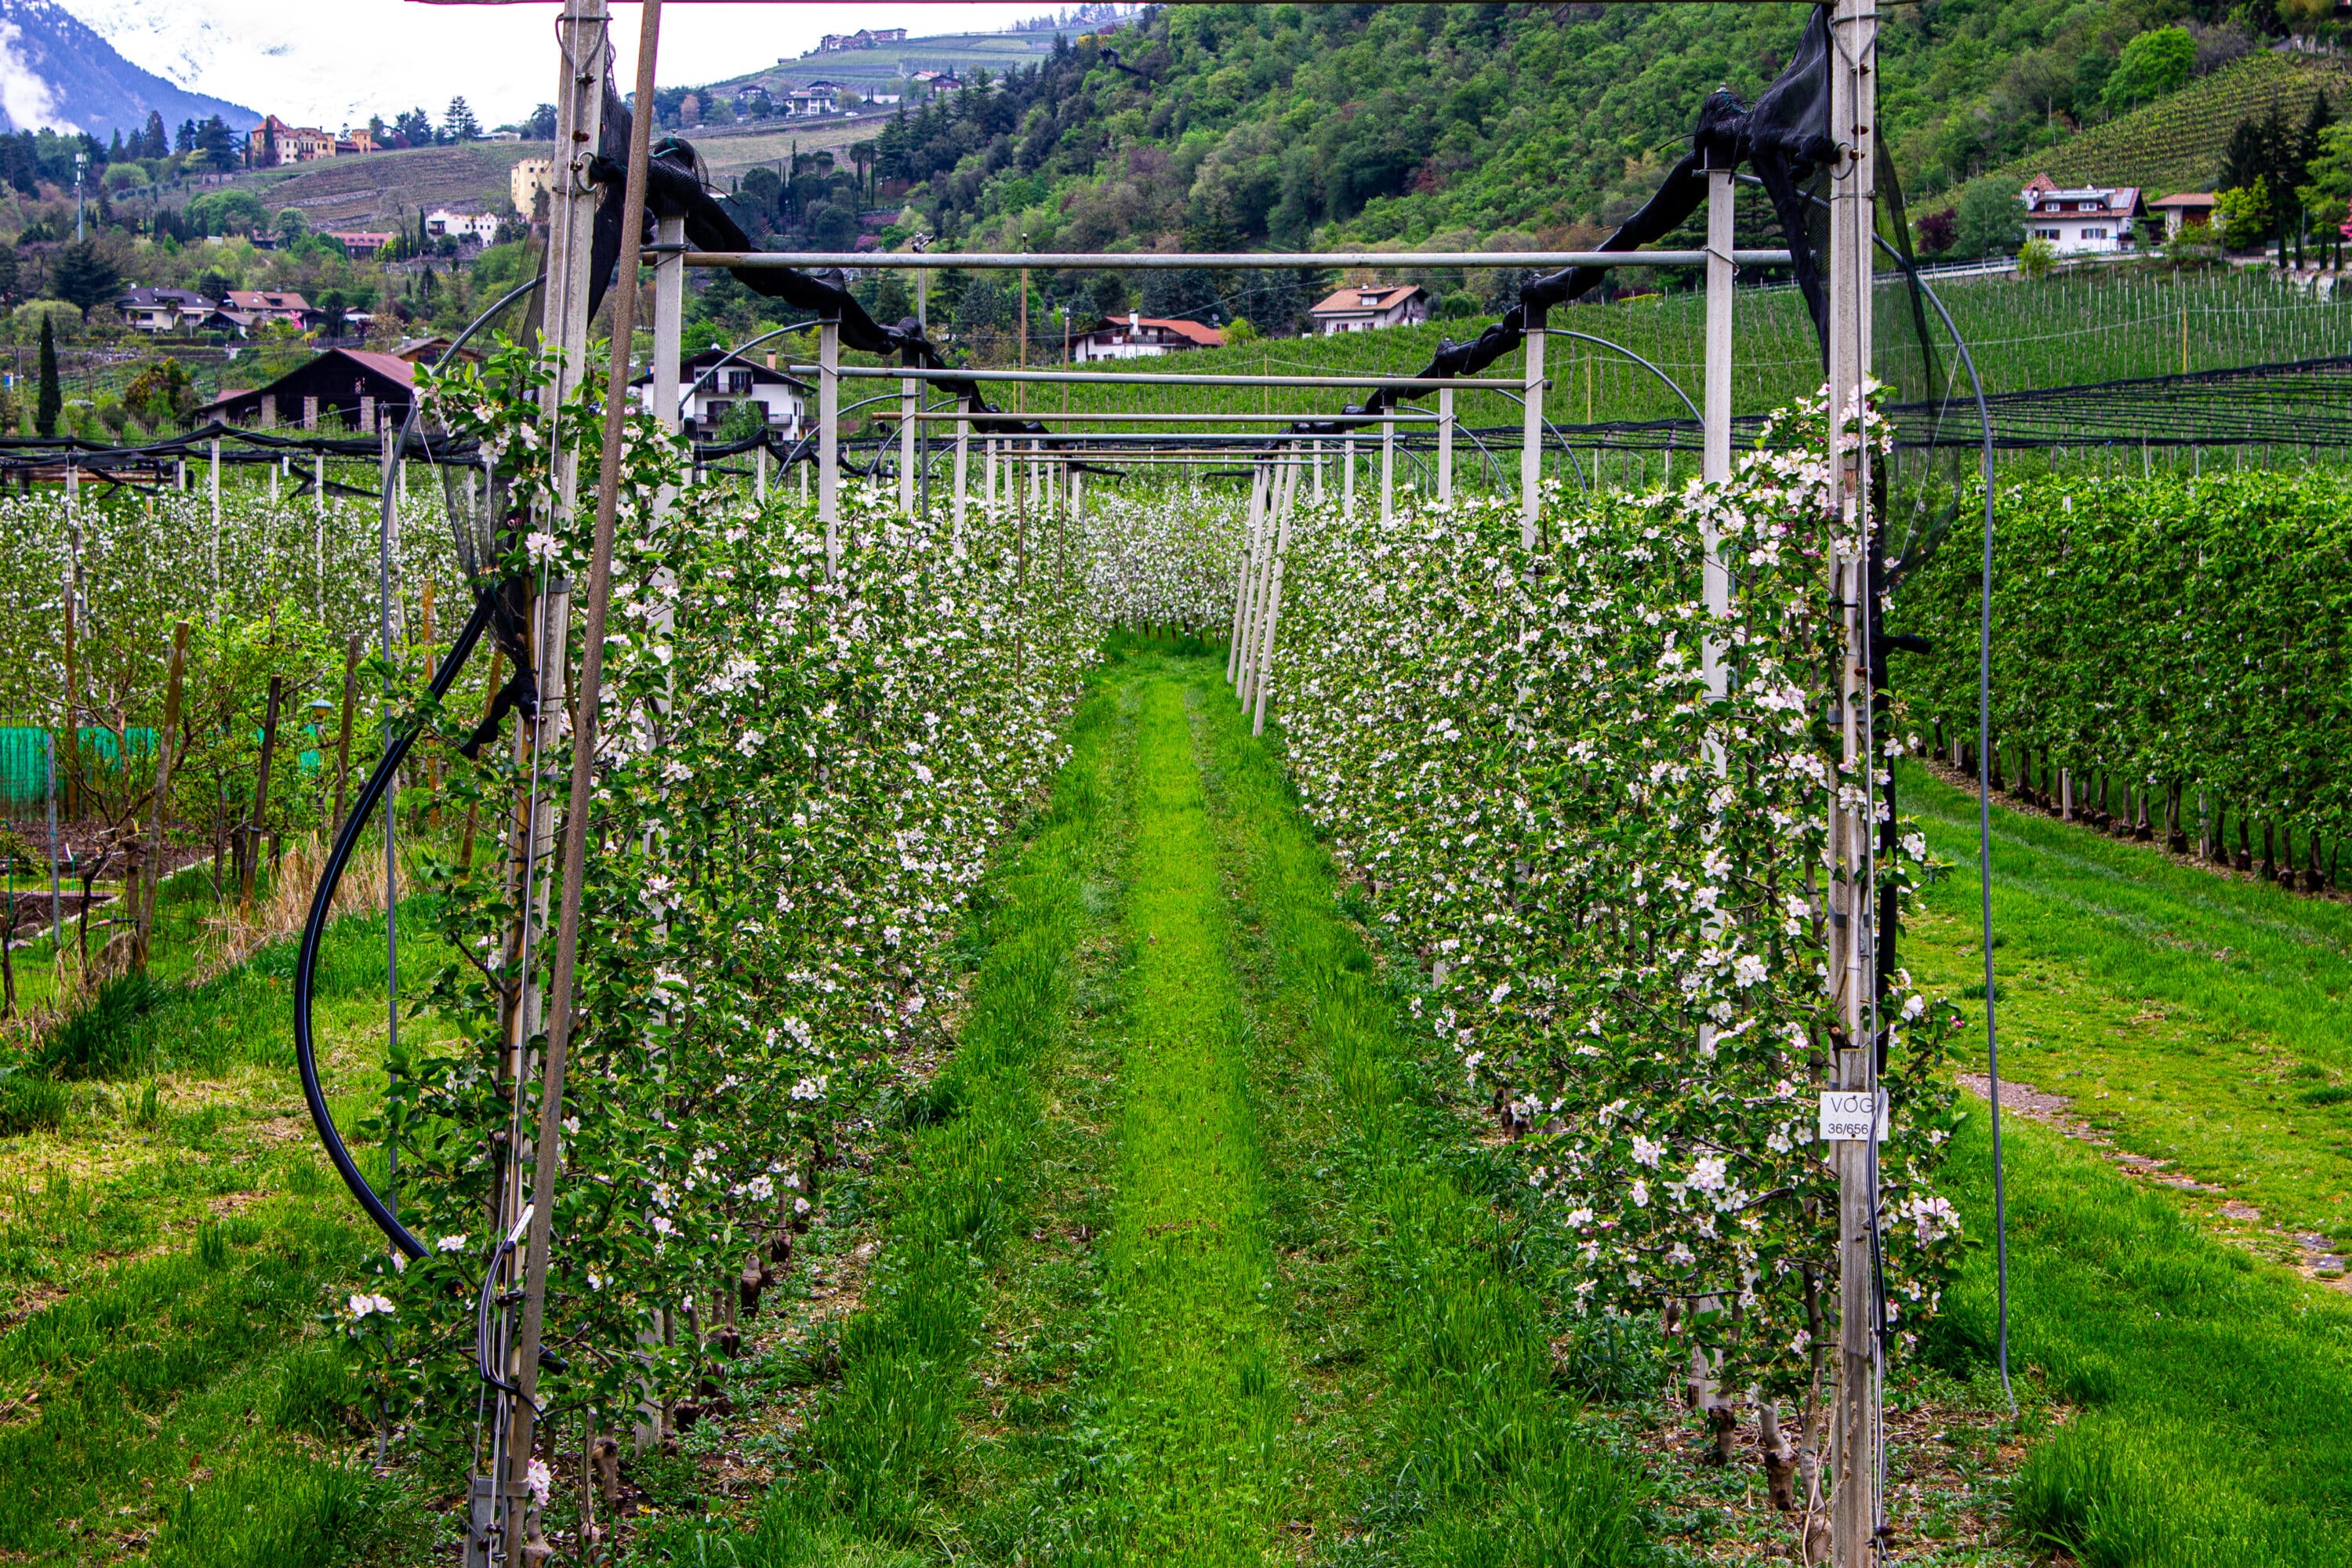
(460,124)
(50,401)
(157,142)
(82,274)
(212,140)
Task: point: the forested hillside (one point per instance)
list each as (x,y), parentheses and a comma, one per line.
(1304,126)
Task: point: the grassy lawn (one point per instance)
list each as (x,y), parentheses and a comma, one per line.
(2198,1021)
(167,1249)
(1184,1257)
(2196,1018)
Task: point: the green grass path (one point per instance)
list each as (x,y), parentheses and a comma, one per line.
(1199,1392)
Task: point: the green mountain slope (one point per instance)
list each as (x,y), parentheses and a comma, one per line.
(2176,142)
(1297,125)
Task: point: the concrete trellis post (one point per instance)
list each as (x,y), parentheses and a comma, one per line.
(1716,457)
(962,463)
(909,393)
(1854,1510)
(1446,445)
(1273,614)
(1348,478)
(1388,469)
(1531,442)
(670,322)
(828,443)
(1261,541)
(1242,584)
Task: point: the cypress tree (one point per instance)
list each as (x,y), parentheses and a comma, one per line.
(51,400)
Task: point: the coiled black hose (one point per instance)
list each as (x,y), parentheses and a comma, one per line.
(306,963)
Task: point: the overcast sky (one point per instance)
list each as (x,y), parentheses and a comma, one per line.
(335,62)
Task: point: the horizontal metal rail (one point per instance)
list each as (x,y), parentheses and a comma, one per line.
(1206,261)
(951,417)
(1141,378)
(1239,441)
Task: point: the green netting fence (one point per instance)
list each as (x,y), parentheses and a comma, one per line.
(24,760)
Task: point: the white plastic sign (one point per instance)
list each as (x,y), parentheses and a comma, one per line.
(1846,1116)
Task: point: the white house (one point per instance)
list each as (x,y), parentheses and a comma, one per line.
(163,311)
(1368,307)
(816,97)
(714,397)
(482,226)
(2085,220)
(1142,337)
(2188,209)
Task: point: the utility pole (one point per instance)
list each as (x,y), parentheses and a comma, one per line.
(1855,1507)
(81,189)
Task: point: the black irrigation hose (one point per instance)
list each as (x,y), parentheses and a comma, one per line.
(306,963)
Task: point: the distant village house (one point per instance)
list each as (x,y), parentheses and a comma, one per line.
(367,392)
(784,398)
(526,180)
(251,308)
(359,243)
(1368,307)
(2083,220)
(274,144)
(171,312)
(816,97)
(1142,337)
(480,227)
(2189,209)
(864,38)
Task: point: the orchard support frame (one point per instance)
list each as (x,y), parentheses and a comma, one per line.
(585,24)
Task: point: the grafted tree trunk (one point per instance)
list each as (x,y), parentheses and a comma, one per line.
(1780,1457)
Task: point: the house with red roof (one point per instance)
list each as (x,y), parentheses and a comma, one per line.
(1368,307)
(364,390)
(1142,337)
(2083,220)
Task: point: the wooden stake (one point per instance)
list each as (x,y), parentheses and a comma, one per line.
(164,741)
(343,743)
(254,829)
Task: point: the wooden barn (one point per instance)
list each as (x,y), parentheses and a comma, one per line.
(365,391)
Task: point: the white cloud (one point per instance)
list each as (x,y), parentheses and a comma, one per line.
(29,99)
(337,64)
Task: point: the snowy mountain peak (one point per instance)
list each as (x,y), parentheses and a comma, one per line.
(57,72)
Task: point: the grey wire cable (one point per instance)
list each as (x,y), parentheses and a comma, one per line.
(1984,852)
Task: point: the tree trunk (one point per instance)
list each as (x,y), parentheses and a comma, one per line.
(2245,859)
(1780,1457)
(2270,851)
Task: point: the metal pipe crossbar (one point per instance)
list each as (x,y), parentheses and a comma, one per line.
(1135,378)
(1208,261)
(950,416)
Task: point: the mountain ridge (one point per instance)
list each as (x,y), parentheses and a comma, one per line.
(58,73)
